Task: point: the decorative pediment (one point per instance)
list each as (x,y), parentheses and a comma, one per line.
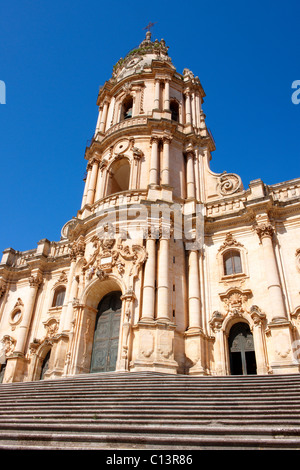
(230,242)
(235,300)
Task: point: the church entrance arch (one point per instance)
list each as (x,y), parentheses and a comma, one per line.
(241,350)
(106,334)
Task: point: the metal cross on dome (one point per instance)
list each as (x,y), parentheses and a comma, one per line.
(150,25)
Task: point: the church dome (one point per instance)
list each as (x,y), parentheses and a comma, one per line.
(140,59)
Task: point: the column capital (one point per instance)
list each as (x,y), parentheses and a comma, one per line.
(95,159)
(264,231)
(167,138)
(190,150)
(154,139)
(35,280)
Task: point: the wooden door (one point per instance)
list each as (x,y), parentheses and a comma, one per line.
(241,348)
(106,336)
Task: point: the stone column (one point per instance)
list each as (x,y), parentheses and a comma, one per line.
(194,291)
(163,301)
(87,182)
(72,298)
(194,116)
(167,96)
(157,95)
(67,295)
(265,233)
(77,251)
(153,176)
(3,297)
(198,110)
(188,115)
(190,175)
(99,120)
(165,172)
(259,318)
(103,117)
(219,345)
(148,308)
(93,181)
(34,282)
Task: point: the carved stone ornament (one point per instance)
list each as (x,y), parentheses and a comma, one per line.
(2,287)
(165,345)
(147,344)
(19,303)
(109,253)
(51,326)
(216,321)
(297,254)
(77,248)
(229,183)
(230,242)
(137,153)
(264,230)
(7,345)
(67,228)
(35,280)
(235,300)
(121,147)
(257,315)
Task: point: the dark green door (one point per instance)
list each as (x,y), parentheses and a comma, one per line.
(106,336)
(241,348)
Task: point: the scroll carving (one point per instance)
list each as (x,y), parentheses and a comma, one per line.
(229,183)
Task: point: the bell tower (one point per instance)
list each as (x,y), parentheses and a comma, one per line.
(145,158)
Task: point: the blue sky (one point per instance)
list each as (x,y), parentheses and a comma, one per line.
(55,55)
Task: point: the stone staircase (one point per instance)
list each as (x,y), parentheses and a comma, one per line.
(151,410)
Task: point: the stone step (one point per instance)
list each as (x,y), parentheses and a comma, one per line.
(151,410)
(210,440)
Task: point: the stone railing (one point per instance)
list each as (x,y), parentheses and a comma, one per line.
(58,249)
(118,199)
(285,192)
(216,209)
(21,258)
(135,121)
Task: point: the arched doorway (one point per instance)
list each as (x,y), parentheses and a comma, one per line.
(241,350)
(45,365)
(106,336)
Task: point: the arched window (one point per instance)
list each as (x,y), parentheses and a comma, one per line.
(119,174)
(59,297)
(174,108)
(127,106)
(232,262)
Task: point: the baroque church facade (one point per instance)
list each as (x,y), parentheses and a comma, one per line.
(167,266)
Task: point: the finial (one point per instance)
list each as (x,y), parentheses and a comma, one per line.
(148,27)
